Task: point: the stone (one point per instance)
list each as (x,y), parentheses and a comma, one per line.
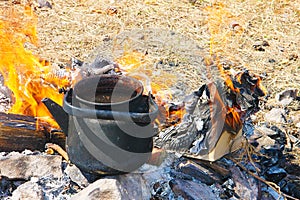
(28,191)
(44,3)
(20,166)
(295,118)
(101,189)
(76,176)
(134,186)
(245,187)
(263,130)
(259,45)
(287,96)
(264,141)
(276,115)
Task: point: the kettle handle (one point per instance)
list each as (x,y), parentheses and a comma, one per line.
(144,118)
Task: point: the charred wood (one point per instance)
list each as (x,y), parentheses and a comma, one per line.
(19,132)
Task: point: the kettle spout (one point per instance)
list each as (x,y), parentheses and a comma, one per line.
(60,116)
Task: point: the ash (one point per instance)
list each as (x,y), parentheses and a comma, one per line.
(50,186)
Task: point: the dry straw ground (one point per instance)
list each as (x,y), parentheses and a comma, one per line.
(74,28)
(228,28)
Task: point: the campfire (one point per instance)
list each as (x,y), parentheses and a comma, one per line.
(205,125)
(28,77)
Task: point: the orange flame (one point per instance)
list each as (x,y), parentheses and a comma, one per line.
(29,79)
(134,64)
(222,25)
(233,118)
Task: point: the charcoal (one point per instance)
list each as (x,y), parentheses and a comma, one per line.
(161,190)
(269,193)
(228,189)
(190,190)
(275,174)
(258,46)
(57,187)
(8,186)
(180,175)
(280,137)
(75,63)
(248,128)
(271,60)
(291,187)
(271,157)
(218,170)
(192,169)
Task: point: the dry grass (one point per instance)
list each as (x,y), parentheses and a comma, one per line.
(76,28)
(228,28)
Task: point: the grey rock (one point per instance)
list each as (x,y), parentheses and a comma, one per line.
(276,115)
(76,175)
(28,191)
(245,187)
(296,119)
(20,166)
(102,189)
(287,96)
(265,131)
(44,3)
(264,141)
(134,187)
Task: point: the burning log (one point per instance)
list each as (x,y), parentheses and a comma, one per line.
(19,132)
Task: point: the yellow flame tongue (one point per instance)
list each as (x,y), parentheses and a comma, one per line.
(29,79)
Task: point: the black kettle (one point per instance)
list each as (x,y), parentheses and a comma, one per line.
(108,123)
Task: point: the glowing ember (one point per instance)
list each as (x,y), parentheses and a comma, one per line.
(29,79)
